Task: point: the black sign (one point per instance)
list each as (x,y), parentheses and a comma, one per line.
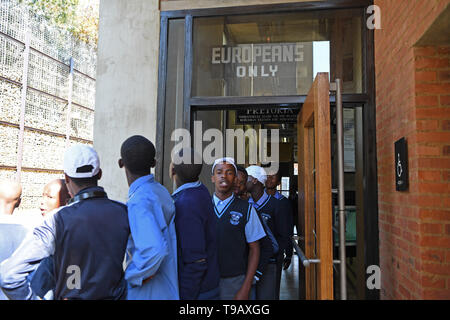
(267,115)
(401,165)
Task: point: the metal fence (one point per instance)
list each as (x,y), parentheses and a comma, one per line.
(47,98)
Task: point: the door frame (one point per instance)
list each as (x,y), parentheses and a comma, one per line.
(314,179)
(367,99)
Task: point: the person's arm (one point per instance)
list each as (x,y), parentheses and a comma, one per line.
(150,247)
(253,259)
(265,248)
(283,225)
(15,270)
(190,227)
(43,278)
(290,248)
(254,232)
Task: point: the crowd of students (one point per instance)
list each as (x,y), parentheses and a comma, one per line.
(187,245)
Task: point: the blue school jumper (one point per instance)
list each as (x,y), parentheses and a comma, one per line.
(278,220)
(232,242)
(286,206)
(195,224)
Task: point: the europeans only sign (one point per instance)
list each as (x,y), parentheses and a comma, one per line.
(261,60)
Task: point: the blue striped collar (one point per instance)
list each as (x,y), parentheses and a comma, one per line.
(261,202)
(220,206)
(278,195)
(187,186)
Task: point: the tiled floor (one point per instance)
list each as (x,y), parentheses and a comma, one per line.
(289,281)
(289,286)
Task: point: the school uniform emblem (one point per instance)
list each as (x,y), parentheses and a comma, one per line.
(235,217)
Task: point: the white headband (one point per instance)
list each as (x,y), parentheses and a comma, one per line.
(258,173)
(224,160)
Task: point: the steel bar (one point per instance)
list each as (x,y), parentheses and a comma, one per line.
(69,104)
(341,190)
(23,102)
(19,84)
(50,133)
(45,55)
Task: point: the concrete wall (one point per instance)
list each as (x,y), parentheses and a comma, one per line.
(127,82)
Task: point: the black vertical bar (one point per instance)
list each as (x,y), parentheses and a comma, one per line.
(371,236)
(161,100)
(188,60)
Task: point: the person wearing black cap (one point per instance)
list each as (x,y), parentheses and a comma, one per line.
(88,263)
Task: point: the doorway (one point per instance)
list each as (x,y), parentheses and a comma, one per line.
(223,118)
(211,66)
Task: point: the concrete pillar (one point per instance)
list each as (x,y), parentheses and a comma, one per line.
(127,83)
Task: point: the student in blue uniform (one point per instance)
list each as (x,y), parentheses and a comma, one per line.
(88,263)
(273,180)
(195,224)
(266,247)
(238,232)
(277,226)
(151,270)
(240,186)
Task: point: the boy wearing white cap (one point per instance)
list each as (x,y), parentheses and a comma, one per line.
(275,221)
(238,229)
(87,238)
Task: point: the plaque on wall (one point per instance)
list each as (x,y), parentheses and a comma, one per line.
(401,165)
(267,115)
(349,140)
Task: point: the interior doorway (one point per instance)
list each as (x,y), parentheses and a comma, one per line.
(223,118)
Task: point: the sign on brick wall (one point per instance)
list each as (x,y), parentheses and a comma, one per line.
(401,165)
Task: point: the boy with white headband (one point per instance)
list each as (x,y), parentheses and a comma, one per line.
(238,229)
(275,221)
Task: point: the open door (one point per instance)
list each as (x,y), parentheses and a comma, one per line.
(314,187)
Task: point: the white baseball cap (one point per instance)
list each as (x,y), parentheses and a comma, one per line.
(81,161)
(224,160)
(258,173)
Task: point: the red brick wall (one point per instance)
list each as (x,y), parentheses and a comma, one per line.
(412,96)
(432,76)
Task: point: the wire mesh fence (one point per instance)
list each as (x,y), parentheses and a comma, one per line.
(33,49)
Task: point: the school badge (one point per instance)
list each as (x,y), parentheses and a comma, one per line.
(235,217)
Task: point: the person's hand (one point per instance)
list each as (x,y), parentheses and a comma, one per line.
(286,263)
(147,280)
(242,294)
